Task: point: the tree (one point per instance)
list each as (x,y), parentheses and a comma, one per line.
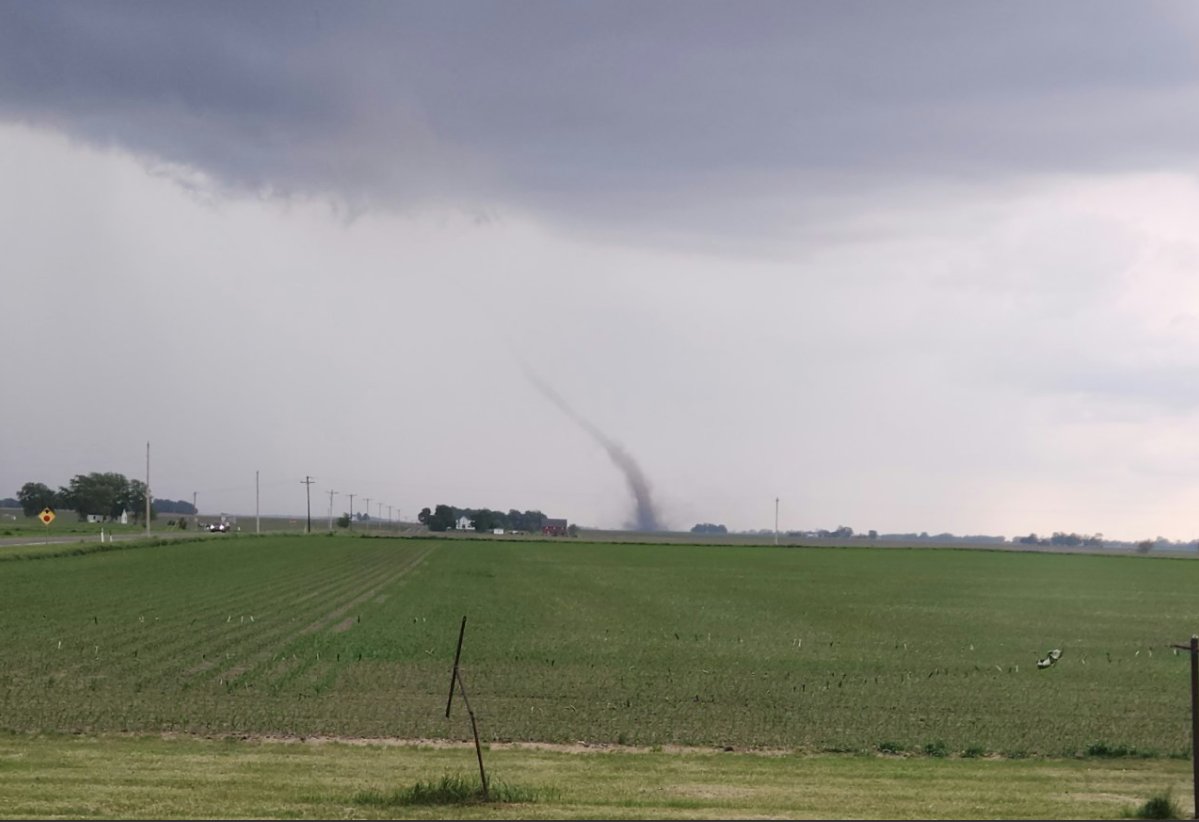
(485,519)
(133,500)
(170,506)
(34,496)
(709,528)
(95,493)
(343,521)
(533,521)
(444,518)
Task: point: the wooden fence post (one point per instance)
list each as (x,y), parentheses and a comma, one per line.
(456,678)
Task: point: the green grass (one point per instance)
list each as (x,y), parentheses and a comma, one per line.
(1158,806)
(53,550)
(932,651)
(448,790)
(1102,749)
(937,749)
(148,777)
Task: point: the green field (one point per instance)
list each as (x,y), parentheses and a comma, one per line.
(746,647)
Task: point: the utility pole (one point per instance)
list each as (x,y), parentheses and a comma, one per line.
(368,511)
(1194,650)
(389,516)
(1195,718)
(776,520)
(147,488)
(195,512)
(380,509)
(307,483)
(331,495)
(257,520)
(351,496)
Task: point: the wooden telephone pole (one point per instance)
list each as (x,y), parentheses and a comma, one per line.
(1194,651)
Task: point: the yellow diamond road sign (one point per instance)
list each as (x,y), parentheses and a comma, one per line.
(46,516)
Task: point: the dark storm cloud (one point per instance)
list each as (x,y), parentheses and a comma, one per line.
(608,111)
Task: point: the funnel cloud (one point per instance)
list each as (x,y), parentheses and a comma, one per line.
(645,515)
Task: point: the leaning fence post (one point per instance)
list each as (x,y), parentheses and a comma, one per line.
(456,677)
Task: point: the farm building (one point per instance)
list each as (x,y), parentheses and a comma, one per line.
(123,518)
(555,528)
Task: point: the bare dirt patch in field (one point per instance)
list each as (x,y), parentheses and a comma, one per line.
(199,668)
(710,791)
(579,747)
(1114,798)
(343,626)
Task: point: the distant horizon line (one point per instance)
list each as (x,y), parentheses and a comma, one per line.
(801,533)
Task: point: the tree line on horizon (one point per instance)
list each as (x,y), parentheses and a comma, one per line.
(105,494)
(445,518)
(1062,538)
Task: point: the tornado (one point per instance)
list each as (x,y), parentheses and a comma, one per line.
(645,515)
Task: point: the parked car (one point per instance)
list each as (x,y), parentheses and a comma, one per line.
(218,527)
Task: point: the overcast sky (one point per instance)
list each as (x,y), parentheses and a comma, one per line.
(905,266)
